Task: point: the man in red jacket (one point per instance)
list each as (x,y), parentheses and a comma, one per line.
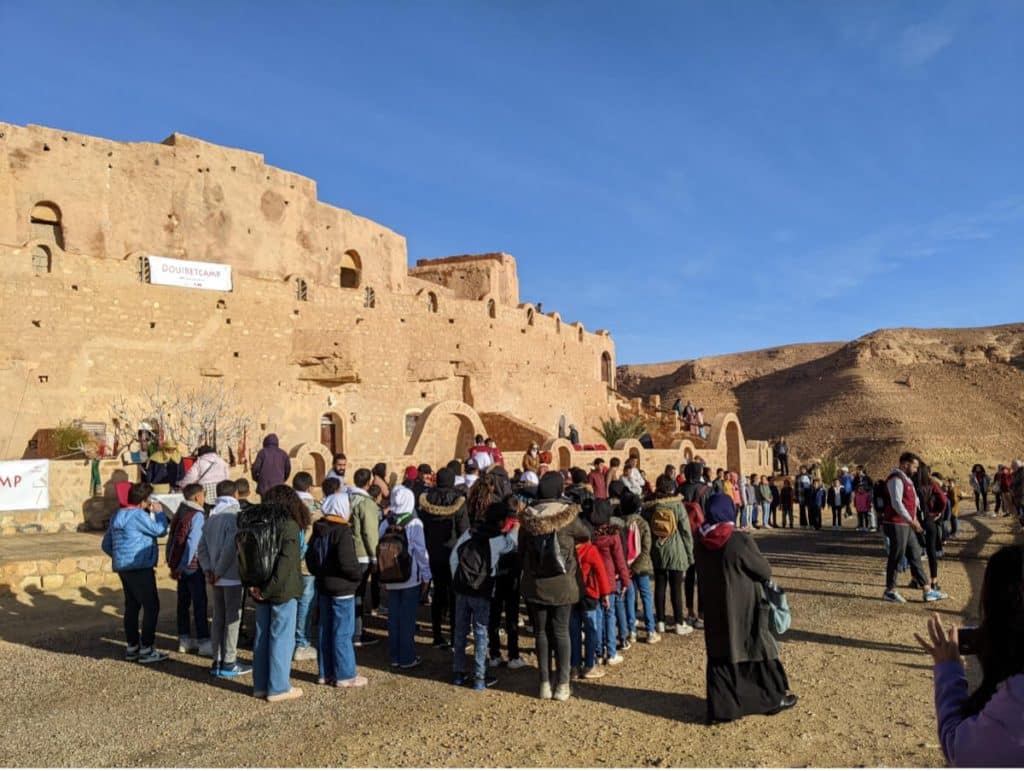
(900,517)
(598,479)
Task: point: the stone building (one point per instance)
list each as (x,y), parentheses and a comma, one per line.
(326,336)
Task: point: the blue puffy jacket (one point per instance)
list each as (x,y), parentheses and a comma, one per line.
(131,539)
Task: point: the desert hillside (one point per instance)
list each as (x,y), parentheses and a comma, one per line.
(955,396)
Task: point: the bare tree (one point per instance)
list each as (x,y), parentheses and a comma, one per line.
(193,416)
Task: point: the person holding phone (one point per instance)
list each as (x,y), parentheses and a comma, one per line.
(986,727)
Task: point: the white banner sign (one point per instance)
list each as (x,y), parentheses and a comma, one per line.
(194,275)
(24,484)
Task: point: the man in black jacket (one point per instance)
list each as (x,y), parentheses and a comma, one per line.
(443,511)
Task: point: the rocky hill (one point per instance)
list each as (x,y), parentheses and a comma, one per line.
(954,396)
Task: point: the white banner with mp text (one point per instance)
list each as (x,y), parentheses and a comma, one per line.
(24,484)
(190,274)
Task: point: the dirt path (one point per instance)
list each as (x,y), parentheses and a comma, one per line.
(866,696)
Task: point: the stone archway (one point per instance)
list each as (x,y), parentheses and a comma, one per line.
(725,427)
(312,457)
(561,453)
(445,430)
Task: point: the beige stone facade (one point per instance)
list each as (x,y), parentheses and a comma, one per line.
(327,338)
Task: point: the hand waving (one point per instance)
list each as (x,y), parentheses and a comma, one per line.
(943,647)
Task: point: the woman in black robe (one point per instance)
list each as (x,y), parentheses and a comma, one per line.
(744,674)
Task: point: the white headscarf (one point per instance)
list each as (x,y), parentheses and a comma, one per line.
(336,505)
(402,501)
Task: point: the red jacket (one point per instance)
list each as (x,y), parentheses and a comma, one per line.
(909,501)
(609,544)
(938,502)
(595,579)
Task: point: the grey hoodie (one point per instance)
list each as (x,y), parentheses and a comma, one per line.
(217,551)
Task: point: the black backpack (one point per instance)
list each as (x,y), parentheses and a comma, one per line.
(881,495)
(258,540)
(548,559)
(394,562)
(319,550)
(473,567)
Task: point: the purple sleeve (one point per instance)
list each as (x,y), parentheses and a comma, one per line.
(950,694)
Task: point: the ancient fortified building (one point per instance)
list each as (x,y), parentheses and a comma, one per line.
(318,326)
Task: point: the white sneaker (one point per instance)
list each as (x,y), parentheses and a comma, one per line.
(184,643)
(615,660)
(205,648)
(305,653)
(516,663)
(660,627)
(684,628)
(495,662)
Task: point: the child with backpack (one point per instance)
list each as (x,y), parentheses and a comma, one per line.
(474,564)
(268,564)
(130,541)
(671,555)
(609,546)
(585,619)
(331,559)
(218,556)
(182,557)
(641,569)
(403,567)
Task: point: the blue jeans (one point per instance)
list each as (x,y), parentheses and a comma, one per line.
(766,508)
(748,515)
(606,645)
(336,658)
(583,636)
(478,611)
(303,618)
(192,592)
(641,584)
(402,605)
(621,617)
(273,647)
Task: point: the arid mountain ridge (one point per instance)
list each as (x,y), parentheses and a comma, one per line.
(954,396)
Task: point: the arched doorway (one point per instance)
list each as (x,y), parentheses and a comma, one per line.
(733,455)
(351,269)
(46,223)
(606,369)
(332,432)
(564,458)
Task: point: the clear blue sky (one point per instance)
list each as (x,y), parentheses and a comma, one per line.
(699,177)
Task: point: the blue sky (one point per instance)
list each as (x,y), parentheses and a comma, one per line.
(698,177)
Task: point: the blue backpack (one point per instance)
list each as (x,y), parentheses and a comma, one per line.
(779,616)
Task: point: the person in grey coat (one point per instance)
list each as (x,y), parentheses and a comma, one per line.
(218,557)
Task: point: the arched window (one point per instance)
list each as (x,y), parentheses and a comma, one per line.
(351,269)
(431,302)
(606,368)
(579,333)
(369,298)
(301,289)
(558,325)
(46,223)
(42,262)
(492,309)
(144,269)
(529,316)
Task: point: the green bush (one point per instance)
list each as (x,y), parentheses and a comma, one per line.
(71,441)
(612,430)
(828,469)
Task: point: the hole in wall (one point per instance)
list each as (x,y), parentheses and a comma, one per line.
(37,323)
(152,325)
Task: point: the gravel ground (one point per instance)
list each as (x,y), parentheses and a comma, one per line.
(865,688)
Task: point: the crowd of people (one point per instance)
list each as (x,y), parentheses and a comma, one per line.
(602,558)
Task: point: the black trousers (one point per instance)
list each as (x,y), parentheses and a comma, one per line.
(691,583)
(140,594)
(932,543)
(902,542)
(813,517)
(551,627)
(443,603)
(784,465)
(803,514)
(787,514)
(673,579)
(837,514)
(506,600)
(360,614)
(980,502)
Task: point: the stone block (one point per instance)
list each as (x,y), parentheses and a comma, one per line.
(66,566)
(25,568)
(27,517)
(52,582)
(74,580)
(46,567)
(95,580)
(92,564)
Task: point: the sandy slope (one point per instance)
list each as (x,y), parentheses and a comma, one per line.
(956,396)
